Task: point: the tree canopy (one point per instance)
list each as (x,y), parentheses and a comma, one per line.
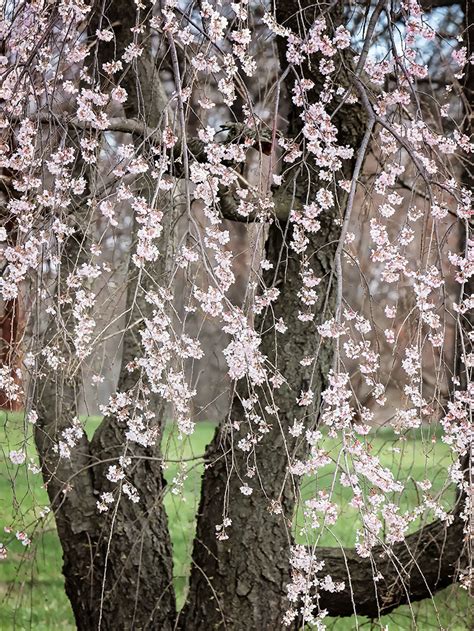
(259,212)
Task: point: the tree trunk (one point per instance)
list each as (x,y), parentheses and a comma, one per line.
(12,322)
(11,331)
(118,565)
(240,583)
(69,481)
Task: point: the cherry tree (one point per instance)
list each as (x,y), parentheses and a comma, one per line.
(135,137)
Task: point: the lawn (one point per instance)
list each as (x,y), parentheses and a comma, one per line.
(31,584)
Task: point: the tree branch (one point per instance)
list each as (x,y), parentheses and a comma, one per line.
(426,561)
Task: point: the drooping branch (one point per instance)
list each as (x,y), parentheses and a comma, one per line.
(431,558)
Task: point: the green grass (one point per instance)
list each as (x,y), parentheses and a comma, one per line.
(31,584)
(410,459)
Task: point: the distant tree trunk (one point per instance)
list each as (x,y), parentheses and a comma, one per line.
(12,322)
(11,330)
